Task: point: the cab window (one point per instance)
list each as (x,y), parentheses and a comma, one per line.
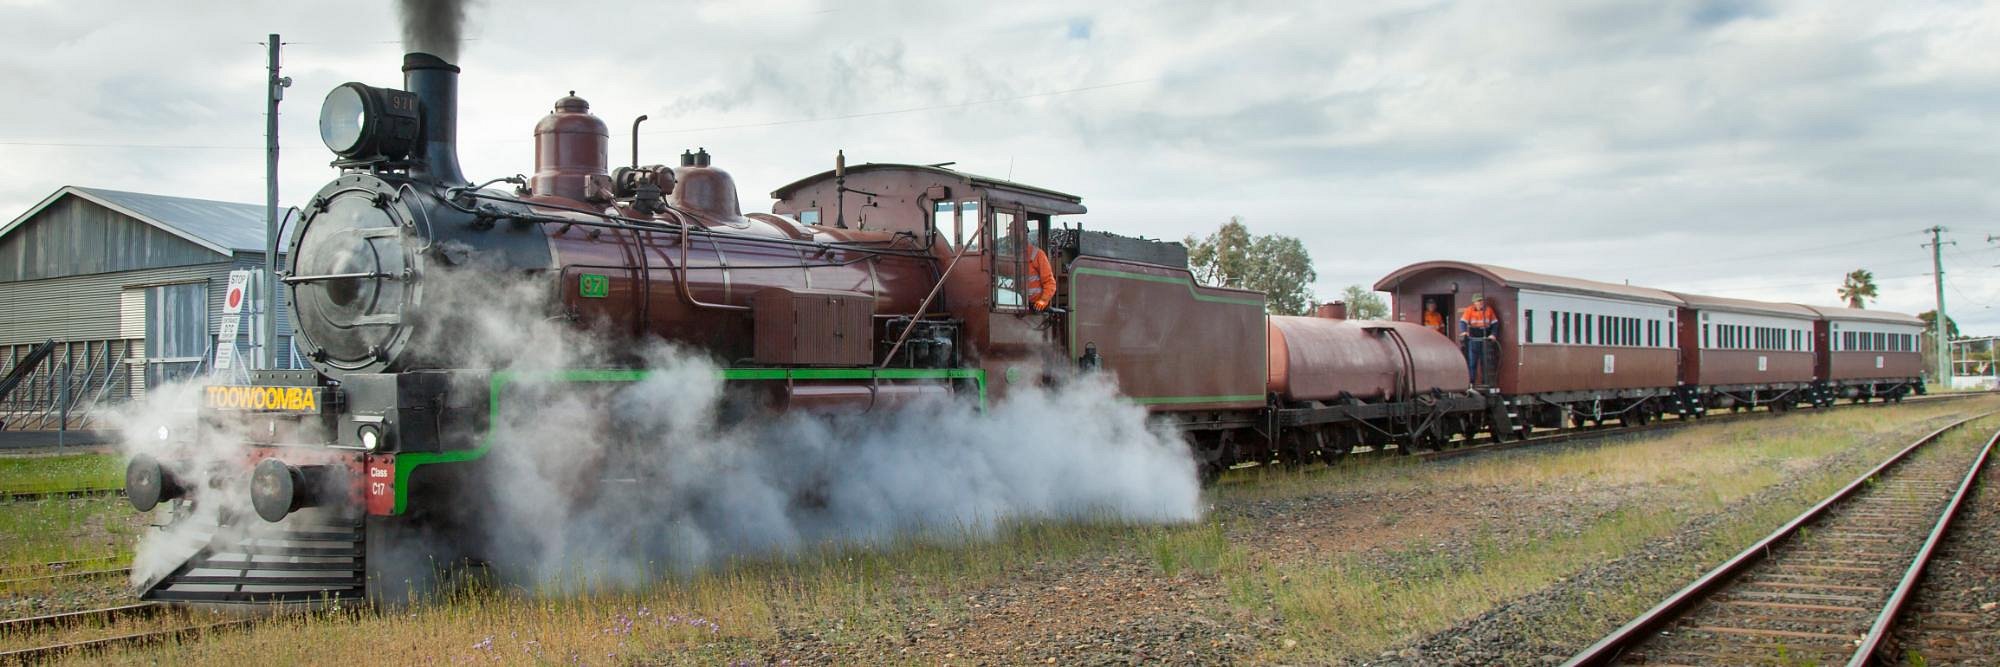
(1009,262)
(957,222)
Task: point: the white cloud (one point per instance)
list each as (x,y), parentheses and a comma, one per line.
(1737,147)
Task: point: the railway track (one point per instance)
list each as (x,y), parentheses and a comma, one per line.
(1486,444)
(107,616)
(1827,587)
(66,576)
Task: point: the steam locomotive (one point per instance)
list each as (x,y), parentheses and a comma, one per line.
(866,288)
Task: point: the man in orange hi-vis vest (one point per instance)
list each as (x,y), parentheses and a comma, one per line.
(1038,280)
(1041,279)
(1479,327)
(1433,319)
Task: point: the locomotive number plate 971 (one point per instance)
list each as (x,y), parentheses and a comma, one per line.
(265,399)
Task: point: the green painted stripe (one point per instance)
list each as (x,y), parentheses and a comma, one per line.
(405,463)
(1183,400)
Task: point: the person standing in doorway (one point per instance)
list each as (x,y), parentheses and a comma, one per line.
(1479,328)
(1434,319)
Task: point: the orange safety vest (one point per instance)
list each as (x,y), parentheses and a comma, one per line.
(1479,318)
(1041,279)
(1434,320)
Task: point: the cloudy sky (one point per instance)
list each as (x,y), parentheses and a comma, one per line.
(1755,149)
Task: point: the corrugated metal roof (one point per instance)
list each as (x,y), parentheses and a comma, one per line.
(1529,279)
(1859,315)
(227,224)
(1705,302)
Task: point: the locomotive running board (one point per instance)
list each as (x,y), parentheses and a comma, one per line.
(295,561)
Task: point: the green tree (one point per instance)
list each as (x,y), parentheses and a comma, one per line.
(1858,288)
(1278,266)
(1928,344)
(1281,268)
(1224,257)
(1930,325)
(1364,303)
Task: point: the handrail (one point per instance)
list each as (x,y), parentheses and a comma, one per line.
(925,306)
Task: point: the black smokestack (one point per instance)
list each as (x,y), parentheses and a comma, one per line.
(433,26)
(435,83)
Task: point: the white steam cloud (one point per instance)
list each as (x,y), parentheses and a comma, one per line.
(653,476)
(616,483)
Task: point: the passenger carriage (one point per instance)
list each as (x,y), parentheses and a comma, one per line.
(1739,354)
(1864,354)
(1571,350)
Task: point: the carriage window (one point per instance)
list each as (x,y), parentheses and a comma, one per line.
(1528,325)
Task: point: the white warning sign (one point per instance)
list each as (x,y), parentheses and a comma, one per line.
(232,321)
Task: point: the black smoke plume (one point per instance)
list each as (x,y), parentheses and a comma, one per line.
(433,26)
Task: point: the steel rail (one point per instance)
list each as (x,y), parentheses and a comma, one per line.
(85,574)
(74,617)
(1878,633)
(1586,434)
(43,653)
(1641,629)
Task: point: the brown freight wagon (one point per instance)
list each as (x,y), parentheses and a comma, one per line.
(1738,353)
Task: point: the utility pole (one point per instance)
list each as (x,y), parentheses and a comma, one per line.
(274,93)
(1937,278)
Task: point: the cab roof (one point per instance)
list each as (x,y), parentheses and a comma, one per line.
(998,189)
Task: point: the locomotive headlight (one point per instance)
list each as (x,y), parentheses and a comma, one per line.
(342,118)
(164,433)
(371,437)
(361,122)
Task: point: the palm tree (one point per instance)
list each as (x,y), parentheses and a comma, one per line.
(1858,288)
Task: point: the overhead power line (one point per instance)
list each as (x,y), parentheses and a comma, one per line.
(774,123)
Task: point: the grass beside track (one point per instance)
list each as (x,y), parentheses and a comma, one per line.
(42,531)
(1360,604)
(61,472)
(1321,606)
